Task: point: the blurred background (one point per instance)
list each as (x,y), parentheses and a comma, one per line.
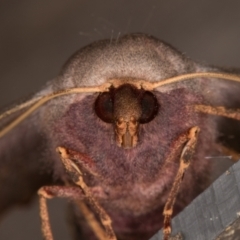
(37,37)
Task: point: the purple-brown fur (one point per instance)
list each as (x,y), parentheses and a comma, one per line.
(134,186)
(131,184)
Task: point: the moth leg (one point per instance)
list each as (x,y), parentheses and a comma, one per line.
(45,223)
(72,192)
(185,159)
(49,192)
(224,112)
(77,177)
(91,220)
(219,111)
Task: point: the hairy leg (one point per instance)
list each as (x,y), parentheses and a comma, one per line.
(185,159)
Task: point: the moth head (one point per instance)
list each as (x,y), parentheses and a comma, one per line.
(105,103)
(126,107)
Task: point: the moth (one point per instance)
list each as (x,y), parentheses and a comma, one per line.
(124,132)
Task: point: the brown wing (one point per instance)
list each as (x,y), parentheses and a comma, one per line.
(24,167)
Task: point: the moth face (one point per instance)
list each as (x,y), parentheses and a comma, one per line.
(125,108)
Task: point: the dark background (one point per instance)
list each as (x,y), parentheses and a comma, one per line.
(36,37)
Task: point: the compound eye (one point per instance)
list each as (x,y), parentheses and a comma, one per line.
(149,106)
(104,107)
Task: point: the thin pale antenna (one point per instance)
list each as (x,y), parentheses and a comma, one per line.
(45,99)
(19,107)
(184,77)
(103,88)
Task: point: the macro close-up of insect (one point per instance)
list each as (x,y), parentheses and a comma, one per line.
(119,127)
(137,131)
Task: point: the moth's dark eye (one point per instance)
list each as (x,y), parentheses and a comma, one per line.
(104,107)
(150,106)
